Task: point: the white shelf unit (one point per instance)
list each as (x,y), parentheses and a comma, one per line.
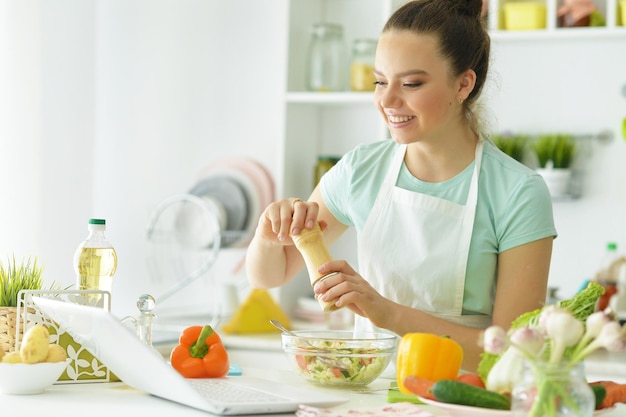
(332,123)
(328,123)
(607,8)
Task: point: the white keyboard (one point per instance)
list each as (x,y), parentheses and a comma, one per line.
(224,391)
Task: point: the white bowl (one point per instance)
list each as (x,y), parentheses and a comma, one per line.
(29,378)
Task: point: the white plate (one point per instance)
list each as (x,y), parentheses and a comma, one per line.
(455,410)
(254,179)
(230,194)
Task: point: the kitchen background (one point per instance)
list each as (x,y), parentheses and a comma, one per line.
(108,107)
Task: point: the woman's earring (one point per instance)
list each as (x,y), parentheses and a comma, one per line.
(460,100)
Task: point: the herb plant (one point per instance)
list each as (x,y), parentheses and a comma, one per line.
(14,277)
(558,148)
(512,145)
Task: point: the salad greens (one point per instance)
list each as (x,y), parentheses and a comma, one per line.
(360,366)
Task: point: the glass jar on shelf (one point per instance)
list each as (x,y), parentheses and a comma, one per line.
(323,165)
(362,65)
(326,69)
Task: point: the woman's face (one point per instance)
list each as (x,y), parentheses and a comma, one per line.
(415,92)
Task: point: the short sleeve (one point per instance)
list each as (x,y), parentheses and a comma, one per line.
(528,216)
(335,189)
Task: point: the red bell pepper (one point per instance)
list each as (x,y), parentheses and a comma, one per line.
(200,353)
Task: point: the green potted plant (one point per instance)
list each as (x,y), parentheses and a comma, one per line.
(555,156)
(14,277)
(512,145)
(555,148)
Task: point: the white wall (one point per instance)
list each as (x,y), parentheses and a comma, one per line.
(21,124)
(107,107)
(46,129)
(115,105)
(179,85)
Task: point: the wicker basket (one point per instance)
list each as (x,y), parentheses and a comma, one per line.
(8,317)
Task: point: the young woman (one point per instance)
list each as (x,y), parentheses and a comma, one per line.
(453,235)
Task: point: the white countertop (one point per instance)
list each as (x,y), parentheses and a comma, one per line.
(118,399)
(606,365)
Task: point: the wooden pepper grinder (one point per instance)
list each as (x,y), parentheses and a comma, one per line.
(310,243)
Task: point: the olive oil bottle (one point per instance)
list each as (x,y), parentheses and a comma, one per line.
(95,259)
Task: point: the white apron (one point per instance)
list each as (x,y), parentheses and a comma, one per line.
(414,247)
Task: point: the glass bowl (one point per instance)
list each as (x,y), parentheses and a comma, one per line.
(339,358)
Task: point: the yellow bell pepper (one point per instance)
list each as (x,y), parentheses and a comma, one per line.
(427,356)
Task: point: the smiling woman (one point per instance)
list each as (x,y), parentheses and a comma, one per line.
(441,214)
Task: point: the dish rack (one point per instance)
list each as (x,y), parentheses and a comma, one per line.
(189,233)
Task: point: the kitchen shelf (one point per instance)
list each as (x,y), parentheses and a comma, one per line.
(342,97)
(559,33)
(607,8)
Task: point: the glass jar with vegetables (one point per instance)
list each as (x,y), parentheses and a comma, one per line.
(540,363)
(552,390)
(323,165)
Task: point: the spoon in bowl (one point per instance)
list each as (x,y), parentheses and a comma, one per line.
(334,363)
(282,328)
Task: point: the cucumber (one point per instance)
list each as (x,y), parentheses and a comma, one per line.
(456,392)
(599,392)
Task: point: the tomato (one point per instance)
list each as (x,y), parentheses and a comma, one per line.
(301,361)
(472,379)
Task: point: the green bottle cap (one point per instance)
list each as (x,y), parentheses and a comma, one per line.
(97,221)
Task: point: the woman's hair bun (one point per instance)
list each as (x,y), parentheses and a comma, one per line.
(472,8)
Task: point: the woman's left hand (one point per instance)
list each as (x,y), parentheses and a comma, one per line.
(351,290)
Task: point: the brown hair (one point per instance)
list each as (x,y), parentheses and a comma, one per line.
(463,37)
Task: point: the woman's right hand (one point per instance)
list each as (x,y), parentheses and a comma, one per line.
(272,259)
(287,217)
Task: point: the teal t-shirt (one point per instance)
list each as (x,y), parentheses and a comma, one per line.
(514,206)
